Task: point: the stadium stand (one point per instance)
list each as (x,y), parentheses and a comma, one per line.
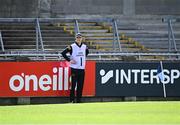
(141,38)
(23,37)
(151,34)
(99,37)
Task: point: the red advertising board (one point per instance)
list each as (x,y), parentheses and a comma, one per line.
(21,79)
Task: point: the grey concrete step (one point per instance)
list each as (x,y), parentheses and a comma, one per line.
(20,47)
(107,42)
(20,43)
(111,46)
(52,31)
(162,46)
(103,41)
(95,31)
(34,35)
(145,35)
(111,49)
(157,25)
(80,24)
(18,35)
(33,38)
(84,27)
(32,31)
(123,26)
(158,50)
(17,28)
(149,35)
(29,27)
(142,31)
(98,34)
(34,46)
(18,31)
(154,39)
(34,42)
(57,33)
(156,47)
(19,39)
(99,38)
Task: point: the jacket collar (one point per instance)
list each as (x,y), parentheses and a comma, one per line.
(78,44)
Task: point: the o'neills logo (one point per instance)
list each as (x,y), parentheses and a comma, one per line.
(59,80)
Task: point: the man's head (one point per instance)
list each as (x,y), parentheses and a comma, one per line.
(79,38)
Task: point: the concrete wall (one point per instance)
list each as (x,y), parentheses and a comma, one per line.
(58,8)
(100,7)
(116,7)
(158,7)
(18,8)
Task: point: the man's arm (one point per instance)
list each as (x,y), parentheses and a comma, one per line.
(67,50)
(87,51)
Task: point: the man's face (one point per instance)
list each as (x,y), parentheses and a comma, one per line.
(79,39)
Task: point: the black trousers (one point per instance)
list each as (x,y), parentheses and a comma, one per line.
(77,76)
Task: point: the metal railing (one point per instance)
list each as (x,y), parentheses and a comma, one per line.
(99,56)
(76,27)
(116,36)
(39,37)
(1,41)
(171,36)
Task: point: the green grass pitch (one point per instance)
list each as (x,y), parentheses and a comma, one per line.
(109,113)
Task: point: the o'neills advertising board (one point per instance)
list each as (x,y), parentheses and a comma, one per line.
(41,79)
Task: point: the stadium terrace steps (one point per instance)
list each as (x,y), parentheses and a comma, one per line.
(151,33)
(99,36)
(138,35)
(22,36)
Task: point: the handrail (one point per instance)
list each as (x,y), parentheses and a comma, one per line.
(37,38)
(172,18)
(56,54)
(171,36)
(76,27)
(99,56)
(1,40)
(39,35)
(116,35)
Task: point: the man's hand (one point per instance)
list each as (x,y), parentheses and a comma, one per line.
(73,62)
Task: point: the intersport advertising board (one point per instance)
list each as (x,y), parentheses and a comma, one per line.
(21,79)
(137,79)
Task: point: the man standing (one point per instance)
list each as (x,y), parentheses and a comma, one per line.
(78,52)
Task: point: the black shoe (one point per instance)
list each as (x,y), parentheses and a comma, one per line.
(78,101)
